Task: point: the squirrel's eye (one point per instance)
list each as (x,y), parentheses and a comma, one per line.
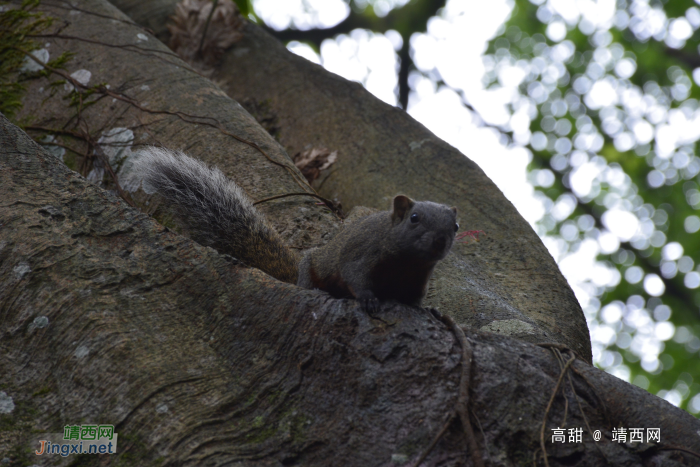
(414,218)
(456,227)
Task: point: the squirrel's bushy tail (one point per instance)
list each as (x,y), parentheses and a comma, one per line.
(215,211)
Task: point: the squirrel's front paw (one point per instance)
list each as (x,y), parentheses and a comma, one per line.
(370,305)
(368,302)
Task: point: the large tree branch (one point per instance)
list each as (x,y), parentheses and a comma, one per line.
(407,20)
(410,18)
(108,317)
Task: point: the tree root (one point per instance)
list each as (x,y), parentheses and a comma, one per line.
(461,408)
(549,406)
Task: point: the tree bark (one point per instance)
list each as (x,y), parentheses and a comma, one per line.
(507,283)
(139,93)
(109,317)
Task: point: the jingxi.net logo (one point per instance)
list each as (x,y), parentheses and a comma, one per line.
(79,439)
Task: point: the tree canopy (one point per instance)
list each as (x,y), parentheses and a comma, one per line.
(611,93)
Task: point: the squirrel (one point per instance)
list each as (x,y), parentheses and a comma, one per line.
(384,256)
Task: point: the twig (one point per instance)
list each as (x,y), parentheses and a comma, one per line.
(483,435)
(549,406)
(185,117)
(554,345)
(600,401)
(148,130)
(129,47)
(60,145)
(146,52)
(670,447)
(326,202)
(195,119)
(436,439)
(69,6)
(85,136)
(206,26)
(583,414)
(462,406)
(191,119)
(560,360)
(463,399)
(54,130)
(105,161)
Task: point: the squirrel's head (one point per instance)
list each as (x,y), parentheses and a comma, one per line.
(423,229)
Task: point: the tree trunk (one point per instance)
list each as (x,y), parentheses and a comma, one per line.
(507,283)
(109,317)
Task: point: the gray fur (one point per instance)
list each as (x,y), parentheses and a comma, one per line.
(384,256)
(213,204)
(214,210)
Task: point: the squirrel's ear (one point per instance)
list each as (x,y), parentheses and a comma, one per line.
(454,209)
(402,204)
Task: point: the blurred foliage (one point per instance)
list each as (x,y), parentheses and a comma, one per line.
(399,16)
(614,125)
(245,7)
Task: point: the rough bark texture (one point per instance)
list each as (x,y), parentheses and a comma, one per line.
(154,98)
(108,317)
(508,283)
